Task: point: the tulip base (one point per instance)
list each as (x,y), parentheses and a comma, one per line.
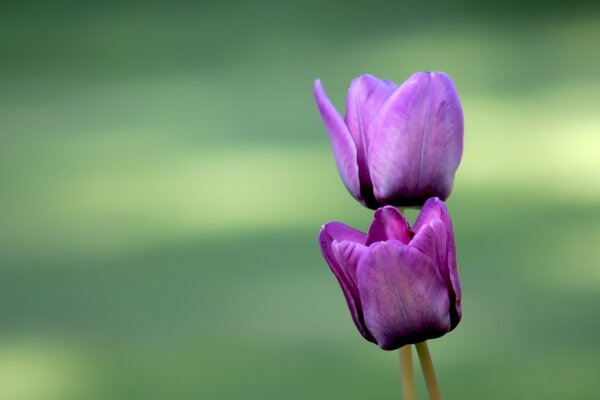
(407,372)
(428,371)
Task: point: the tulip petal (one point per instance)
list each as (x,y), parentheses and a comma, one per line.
(388,223)
(403,295)
(342,248)
(416,141)
(344,148)
(366,96)
(434,235)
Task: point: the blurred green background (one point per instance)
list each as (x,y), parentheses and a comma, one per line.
(165,172)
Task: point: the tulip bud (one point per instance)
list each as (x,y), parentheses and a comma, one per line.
(401,284)
(396,145)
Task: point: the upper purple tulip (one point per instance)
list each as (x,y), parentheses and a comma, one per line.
(401,284)
(397,145)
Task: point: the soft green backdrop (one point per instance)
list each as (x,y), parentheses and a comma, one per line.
(164,174)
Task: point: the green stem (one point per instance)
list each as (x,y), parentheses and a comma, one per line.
(428,372)
(407,372)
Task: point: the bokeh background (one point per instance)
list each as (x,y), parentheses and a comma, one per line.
(164,173)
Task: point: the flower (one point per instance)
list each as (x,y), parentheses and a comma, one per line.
(396,145)
(401,284)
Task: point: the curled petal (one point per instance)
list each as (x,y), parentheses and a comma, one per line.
(344,148)
(403,295)
(342,248)
(388,223)
(416,141)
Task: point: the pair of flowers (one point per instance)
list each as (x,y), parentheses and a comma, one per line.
(397,146)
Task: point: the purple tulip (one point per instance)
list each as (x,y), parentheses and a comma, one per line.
(401,284)
(397,145)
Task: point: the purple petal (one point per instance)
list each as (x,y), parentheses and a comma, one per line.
(416,141)
(366,96)
(347,254)
(434,236)
(344,149)
(433,208)
(342,247)
(403,295)
(342,232)
(388,223)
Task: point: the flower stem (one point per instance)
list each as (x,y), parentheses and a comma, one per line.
(408,374)
(428,372)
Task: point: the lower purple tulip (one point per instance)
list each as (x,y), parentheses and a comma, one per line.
(401,284)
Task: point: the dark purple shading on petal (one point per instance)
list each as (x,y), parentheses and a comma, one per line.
(403,295)
(366,96)
(416,142)
(342,248)
(388,223)
(344,148)
(434,235)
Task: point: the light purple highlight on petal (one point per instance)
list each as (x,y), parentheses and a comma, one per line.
(366,96)
(344,148)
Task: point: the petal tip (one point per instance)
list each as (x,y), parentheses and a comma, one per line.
(420,76)
(318,89)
